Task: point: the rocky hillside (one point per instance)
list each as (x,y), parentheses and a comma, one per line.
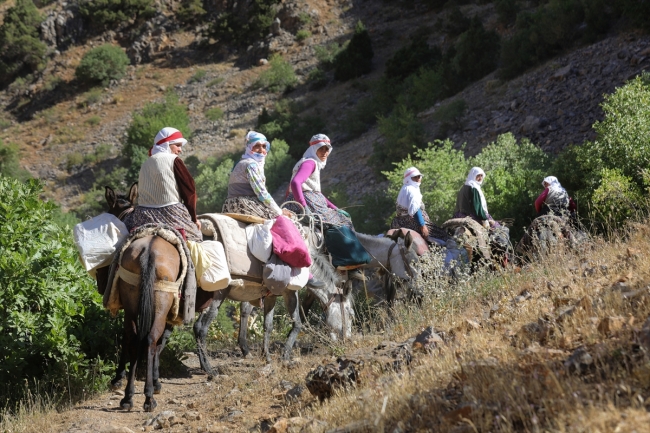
(53,119)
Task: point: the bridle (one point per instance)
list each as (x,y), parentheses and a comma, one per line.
(125,212)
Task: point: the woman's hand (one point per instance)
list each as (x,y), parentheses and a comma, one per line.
(344,213)
(287,213)
(198,224)
(425,231)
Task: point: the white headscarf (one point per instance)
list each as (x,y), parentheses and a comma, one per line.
(471,181)
(252,138)
(316,142)
(410,196)
(552,182)
(164,138)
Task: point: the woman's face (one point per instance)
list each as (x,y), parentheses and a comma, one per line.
(479,178)
(417,178)
(259,148)
(175,149)
(546,184)
(322,153)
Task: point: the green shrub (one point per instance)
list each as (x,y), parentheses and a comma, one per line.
(380,103)
(356,59)
(214,114)
(146,123)
(4,124)
(104,14)
(302,34)
(191,11)
(91,97)
(616,199)
(198,76)
(448,116)
(327,54)
(477,53)
(94,120)
(245,25)
(73,160)
(408,59)
(279,77)
(10,162)
(371,215)
(402,135)
(93,201)
(54,327)
(21,50)
(101,65)
(215,82)
(317,78)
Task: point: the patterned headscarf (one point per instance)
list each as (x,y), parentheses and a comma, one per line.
(165,138)
(252,138)
(316,142)
(471,181)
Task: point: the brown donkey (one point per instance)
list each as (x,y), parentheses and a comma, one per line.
(145,309)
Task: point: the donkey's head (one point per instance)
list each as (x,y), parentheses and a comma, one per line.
(118,203)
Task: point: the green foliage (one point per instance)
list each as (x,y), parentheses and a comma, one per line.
(317,78)
(507,11)
(21,50)
(91,97)
(10,162)
(243,26)
(616,199)
(94,120)
(198,76)
(286,124)
(449,116)
(327,54)
(146,123)
(191,11)
(215,82)
(104,14)
(93,202)
(408,59)
(279,77)
(101,65)
(356,59)
(402,133)
(73,160)
(302,34)
(214,114)
(456,22)
(380,103)
(54,327)
(212,180)
(477,53)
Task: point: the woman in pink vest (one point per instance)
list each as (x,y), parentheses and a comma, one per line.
(166,190)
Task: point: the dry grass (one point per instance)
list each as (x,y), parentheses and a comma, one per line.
(512,374)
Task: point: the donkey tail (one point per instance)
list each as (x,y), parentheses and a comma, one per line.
(147,280)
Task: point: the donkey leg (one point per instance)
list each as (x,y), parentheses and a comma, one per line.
(269,311)
(201,327)
(131,344)
(306,305)
(163,302)
(292,303)
(120,371)
(157,386)
(246,310)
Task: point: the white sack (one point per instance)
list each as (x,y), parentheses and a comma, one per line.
(299,278)
(260,240)
(217,276)
(98,238)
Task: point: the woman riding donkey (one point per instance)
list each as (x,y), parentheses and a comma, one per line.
(554,200)
(305,188)
(410,209)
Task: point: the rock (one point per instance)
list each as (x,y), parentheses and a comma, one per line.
(534,332)
(192,416)
(262,62)
(297,424)
(115,429)
(276,26)
(531,124)
(579,361)
(562,73)
(324,379)
(610,325)
(427,340)
(295,394)
(164,419)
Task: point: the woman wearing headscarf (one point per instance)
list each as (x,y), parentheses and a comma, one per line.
(166,190)
(554,199)
(470,201)
(410,208)
(247,193)
(305,184)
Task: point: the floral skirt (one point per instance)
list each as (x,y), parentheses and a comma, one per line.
(175,215)
(404,220)
(317,204)
(247,205)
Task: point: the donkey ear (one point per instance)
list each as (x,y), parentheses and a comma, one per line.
(110,196)
(133,193)
(394,235)
(408,240)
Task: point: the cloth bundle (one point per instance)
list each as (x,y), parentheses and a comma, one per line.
(345,248)
(98,239)
(211,266)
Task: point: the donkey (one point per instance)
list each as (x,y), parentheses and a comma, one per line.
(145,309)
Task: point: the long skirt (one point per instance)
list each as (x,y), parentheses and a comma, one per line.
(404,220)
(175,215)
(317,204)
(247,205)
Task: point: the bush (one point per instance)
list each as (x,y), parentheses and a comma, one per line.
(198,76)
(10,162)
(616,199)
(448,116)
(214,114)
(302,34)
(104,14)
(356,59)
(408,59)
(245,24)
(54,326)
(402,134)
(279,77)
(145,125)
(477,53)
(101,65)
(317,78)
(191,11)
(380,103)
(327,54)
(21,50)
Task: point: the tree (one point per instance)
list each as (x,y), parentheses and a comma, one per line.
(356,59)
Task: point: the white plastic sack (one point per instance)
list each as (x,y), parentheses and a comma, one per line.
(98,238)
(299,278)
(260,240)
(217,276)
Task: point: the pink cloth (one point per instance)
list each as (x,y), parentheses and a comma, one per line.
(305,170)
(288,245)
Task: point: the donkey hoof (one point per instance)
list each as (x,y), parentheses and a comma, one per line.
(126,404)
(150,406)
(116,384)
(157,387)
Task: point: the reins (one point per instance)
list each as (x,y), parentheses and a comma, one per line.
(124,213)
